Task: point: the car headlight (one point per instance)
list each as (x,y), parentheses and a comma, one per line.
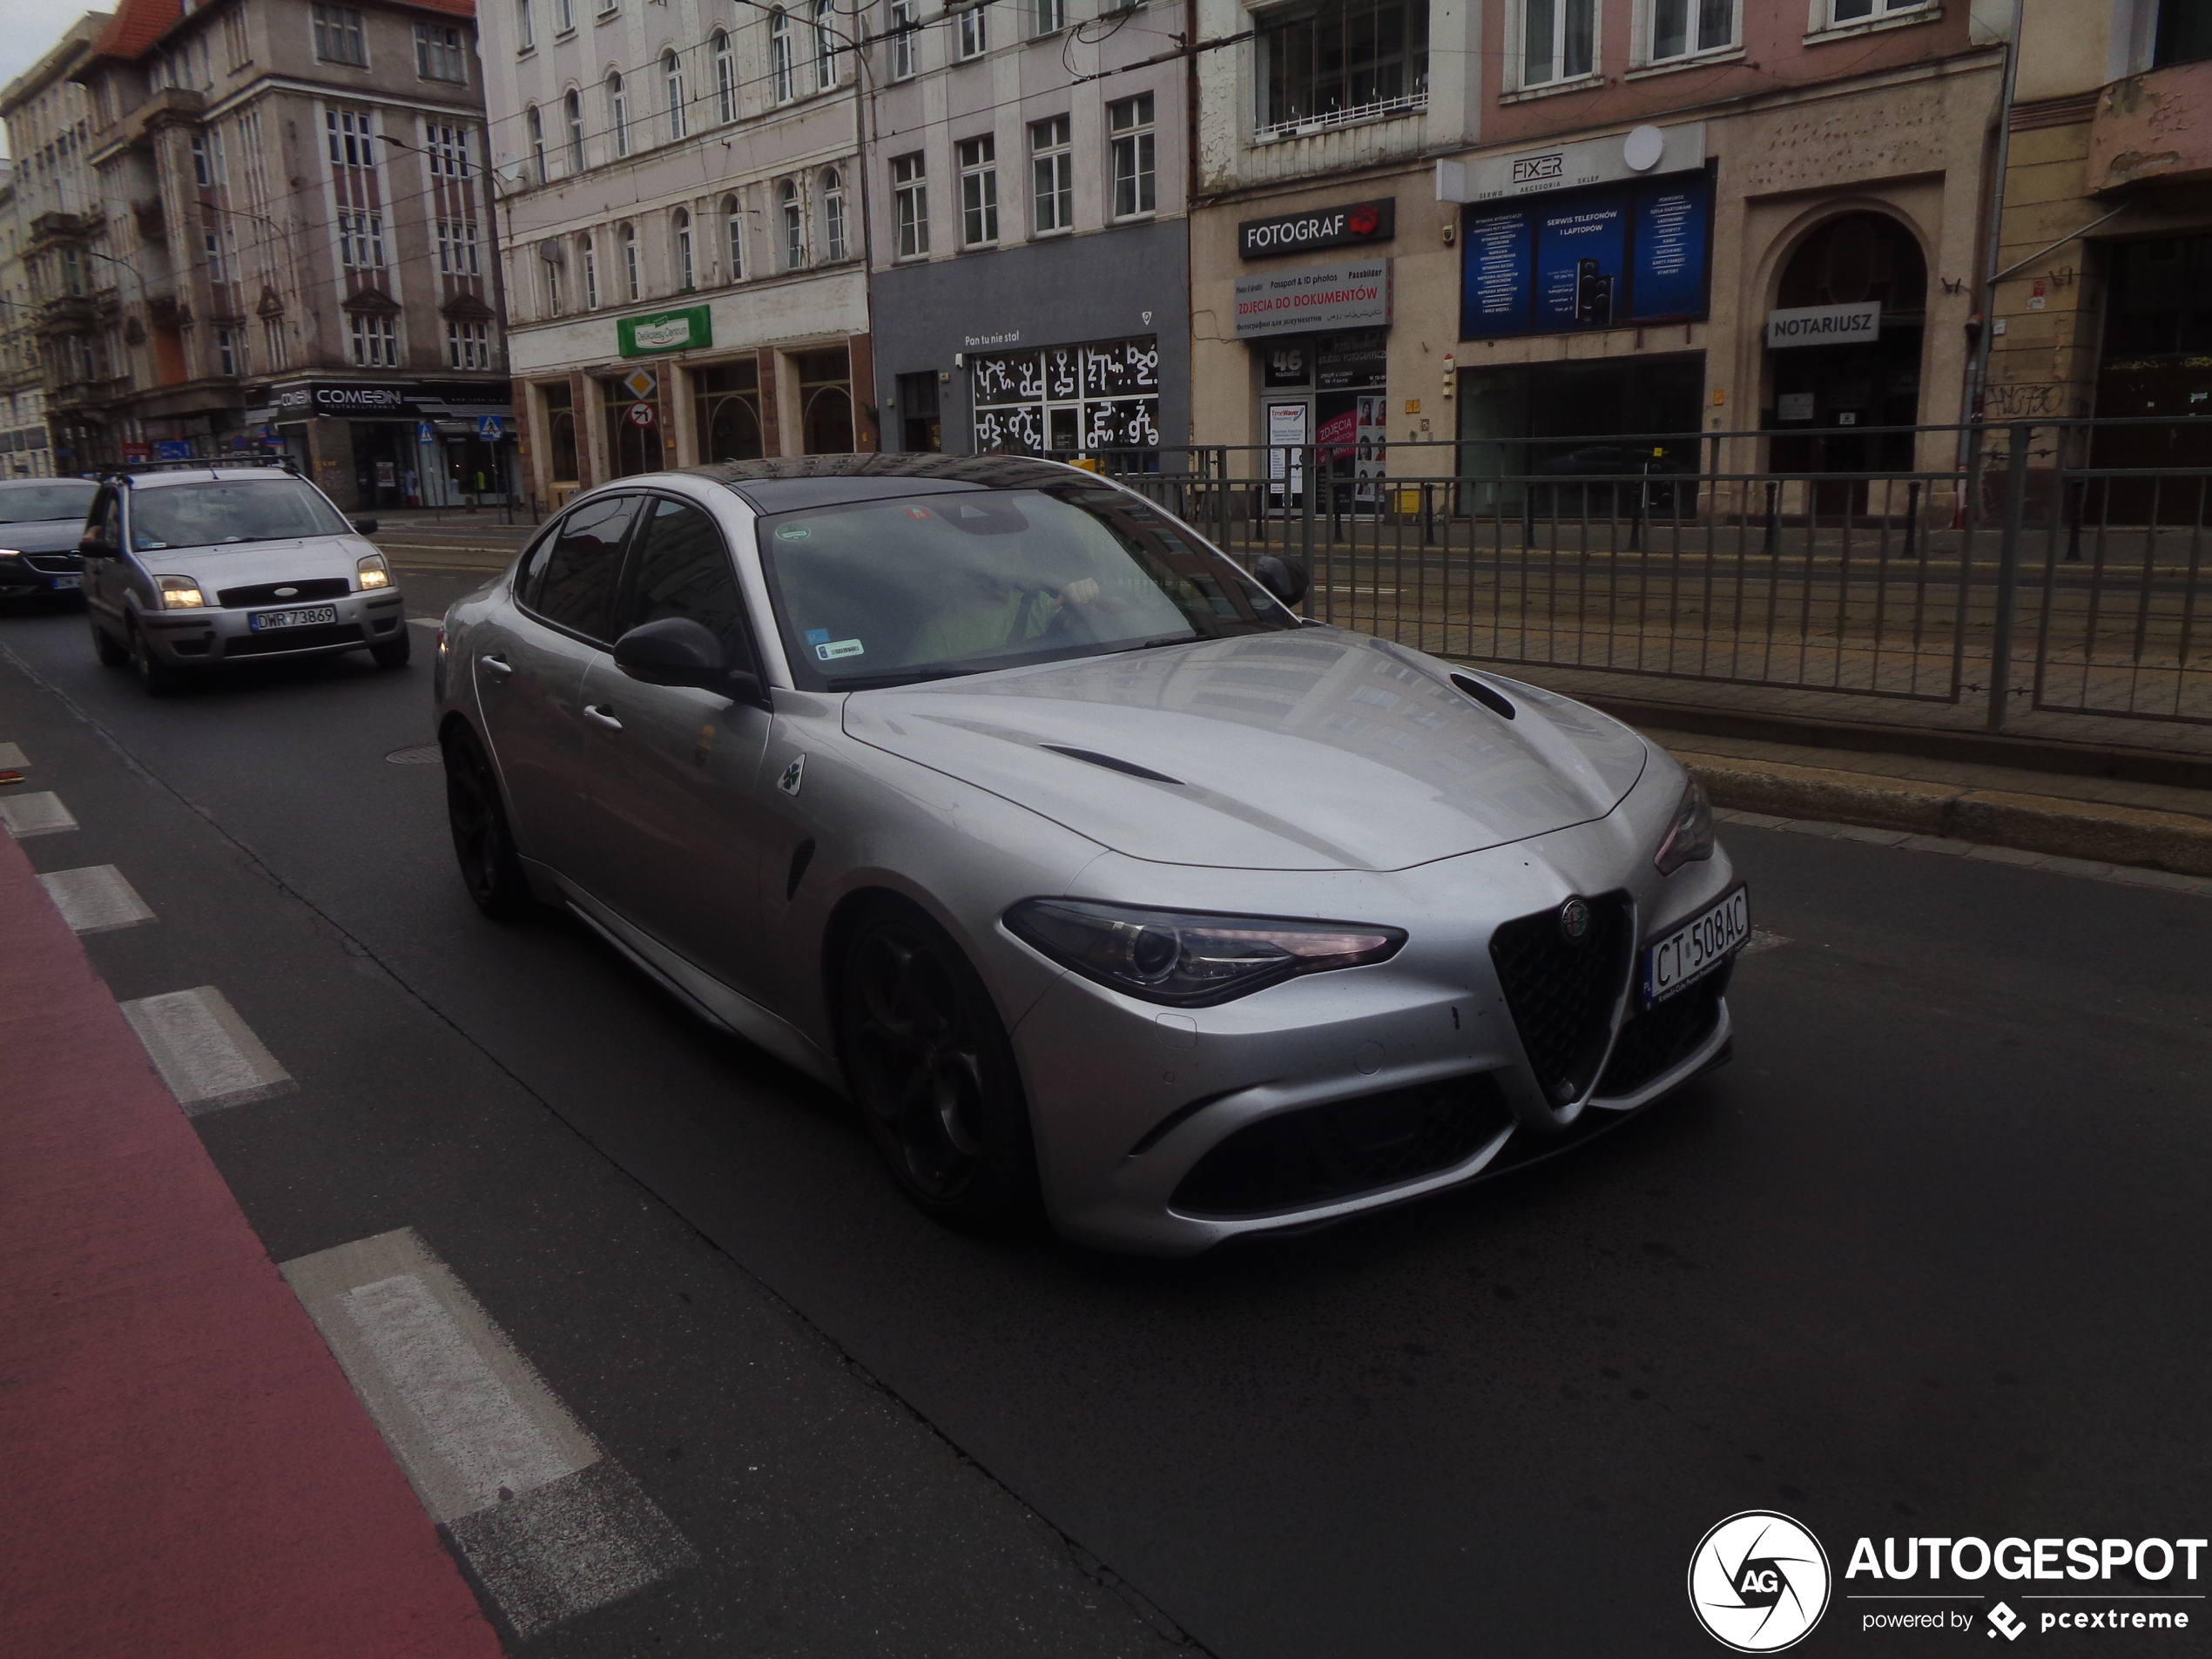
(373,572)
(1690,836)
(1189,960)
(179,593)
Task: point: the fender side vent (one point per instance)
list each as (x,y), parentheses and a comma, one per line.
(1492,700)
(1113,763)
(802,856)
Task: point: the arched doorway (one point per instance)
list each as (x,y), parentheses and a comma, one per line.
(1828,396)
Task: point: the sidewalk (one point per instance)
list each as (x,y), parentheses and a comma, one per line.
(189,1472)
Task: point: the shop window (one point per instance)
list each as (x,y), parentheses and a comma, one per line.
(725,78)
(1559,40)
(1052,175)
(1342,61)
(1686,28)
(438,53)
(1129,142)
(979,189)
(905,33)
(339,38)
(2161,298)
(910,196)
(560,434)
(921,428)
(725,399)
(1068,400)
(633,446)
(2184,32)
(826,401)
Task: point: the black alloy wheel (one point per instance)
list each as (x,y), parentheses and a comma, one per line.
(482,842)
(156,677)
(929,1064)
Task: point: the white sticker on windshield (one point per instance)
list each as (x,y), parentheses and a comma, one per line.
(833,649)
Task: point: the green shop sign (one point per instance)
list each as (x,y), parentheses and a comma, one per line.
(663,331)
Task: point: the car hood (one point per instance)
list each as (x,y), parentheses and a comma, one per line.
(1307,751)
(249,564)
(42,534)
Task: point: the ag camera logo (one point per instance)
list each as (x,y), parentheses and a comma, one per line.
(1759,1582)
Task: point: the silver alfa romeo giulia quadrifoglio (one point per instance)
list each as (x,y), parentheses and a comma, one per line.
(987,792)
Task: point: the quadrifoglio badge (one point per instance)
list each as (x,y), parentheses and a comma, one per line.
(1759,1581)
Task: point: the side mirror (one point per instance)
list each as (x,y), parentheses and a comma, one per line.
(675,651)
(1280,578)
(364,527)
(95,547)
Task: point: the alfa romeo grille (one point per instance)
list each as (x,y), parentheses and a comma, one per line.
(1564,991)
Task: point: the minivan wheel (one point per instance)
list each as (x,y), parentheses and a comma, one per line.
(103,646)
(929,1064)
(156,676)
(481,842)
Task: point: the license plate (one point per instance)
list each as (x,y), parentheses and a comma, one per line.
(1696,948)
(63,584)
(261,622)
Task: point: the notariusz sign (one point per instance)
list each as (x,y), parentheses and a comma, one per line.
(1824,324)
(661,331)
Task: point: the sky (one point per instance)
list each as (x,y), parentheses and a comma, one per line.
(32,29)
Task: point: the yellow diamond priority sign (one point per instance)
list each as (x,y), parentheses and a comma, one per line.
(638,383)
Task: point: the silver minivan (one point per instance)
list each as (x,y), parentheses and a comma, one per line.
(211,563)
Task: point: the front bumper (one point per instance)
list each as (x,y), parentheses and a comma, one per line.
(1166,1131)
(27,574)
(199,638)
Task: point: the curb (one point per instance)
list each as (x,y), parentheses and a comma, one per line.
(2078,829)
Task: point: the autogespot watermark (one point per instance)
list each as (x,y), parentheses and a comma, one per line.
(1758,1582)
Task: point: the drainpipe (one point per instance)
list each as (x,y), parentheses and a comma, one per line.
(1978,363)
(863,159)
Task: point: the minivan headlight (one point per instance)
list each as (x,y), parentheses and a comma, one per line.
(1187,960)
(373,572)
(1689,837)
(179,593)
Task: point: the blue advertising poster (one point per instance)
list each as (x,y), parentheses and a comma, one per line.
(1581,259)
(1669,267)
(1496,275)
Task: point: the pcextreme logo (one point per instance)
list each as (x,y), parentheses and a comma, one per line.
(1758,1582)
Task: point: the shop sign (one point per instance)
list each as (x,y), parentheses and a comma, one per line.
(1635,154)
(1824,324)
(1068,400)
(387,400)
(1598,258)
(1375,221)
(660,331)
(1314,298)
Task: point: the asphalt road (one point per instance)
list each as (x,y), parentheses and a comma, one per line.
(1927,1259)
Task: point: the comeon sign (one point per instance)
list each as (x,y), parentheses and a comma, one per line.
(1375,221)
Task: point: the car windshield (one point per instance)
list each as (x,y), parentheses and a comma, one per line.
(229,509)
(924,587)
(32,503)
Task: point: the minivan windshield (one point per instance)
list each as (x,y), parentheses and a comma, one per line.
(34,504)
(230,510)
(924,587)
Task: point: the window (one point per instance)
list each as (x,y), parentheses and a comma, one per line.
(361,241)
(2184,33)
(681,568)
(212,243)
(338,36)
(1347,60)
(834,215)
(794,223)
(230,352)
(1849,11)
(273,341)
(974,30)
(346,132)
(733,233)
(440,54)
(588,258)
(1559,39)
(525,25)
(922,426)
(564,16)
(1052,175)
(534,127)
(905,31)
(569,578)
(1129,125)
(572,111)
(446,150)
(375,340)
(618,113)
(825,401)
(979,189)
(235,44)
(200,171)
(672,80)
(457,255)
(1684,28)
(726,398)
(626,238)
(560,432)
(686,266)
(468,344)
(910,199)
(726,79)
(825,44)
(551,257)
(1047,16)
(780,82)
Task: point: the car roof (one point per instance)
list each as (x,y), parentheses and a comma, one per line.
(204,475)
(789,483)
(23,484)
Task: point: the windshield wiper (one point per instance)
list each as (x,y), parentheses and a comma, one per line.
(1155,645)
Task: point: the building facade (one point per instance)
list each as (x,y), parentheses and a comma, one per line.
(1028,186)
(683,201)
(1552,220)
(2102,301)
(288,240)
(26,451)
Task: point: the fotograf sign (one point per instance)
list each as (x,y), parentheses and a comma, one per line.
(1314,298)
(1824,324)
(1375,221)
(661,331)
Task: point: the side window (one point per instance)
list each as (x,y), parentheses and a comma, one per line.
(570,578)
(683,569)
(105,519)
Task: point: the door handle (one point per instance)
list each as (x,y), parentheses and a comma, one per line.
(498,666)
(604,713)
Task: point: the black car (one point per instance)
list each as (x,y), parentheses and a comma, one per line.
(40,522)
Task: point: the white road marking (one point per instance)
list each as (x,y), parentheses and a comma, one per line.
(550,1526)
(204,1051)
(41,813)
(1761,939)
(95,899)
(12,757)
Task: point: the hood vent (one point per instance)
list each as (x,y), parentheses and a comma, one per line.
(1112,765)
(1492,700)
